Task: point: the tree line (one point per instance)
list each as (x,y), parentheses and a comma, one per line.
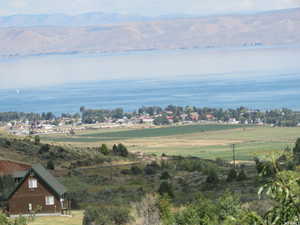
(278,117)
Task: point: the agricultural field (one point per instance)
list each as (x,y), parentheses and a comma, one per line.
(205,141)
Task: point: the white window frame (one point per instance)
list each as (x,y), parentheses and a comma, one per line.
(32,183)
(30,207)
(49,200)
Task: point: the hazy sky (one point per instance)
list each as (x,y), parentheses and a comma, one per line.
(143,7)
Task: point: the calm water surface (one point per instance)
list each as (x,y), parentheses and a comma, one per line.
(260,78)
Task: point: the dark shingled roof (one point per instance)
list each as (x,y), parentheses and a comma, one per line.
(49,179)
(19,174)
(45,176)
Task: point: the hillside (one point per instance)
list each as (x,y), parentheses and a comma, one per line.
(272,28)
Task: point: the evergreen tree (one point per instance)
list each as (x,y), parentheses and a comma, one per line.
(104,149)
(115,149)
(50,165)
(37,140)
(232,175)
(122,150)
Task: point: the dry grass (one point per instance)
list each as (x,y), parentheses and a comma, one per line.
(75,219)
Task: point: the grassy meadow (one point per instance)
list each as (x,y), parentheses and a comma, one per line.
(206,141)
(75,219)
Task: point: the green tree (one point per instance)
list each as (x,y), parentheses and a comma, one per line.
(296,152)
(166,188)
(122,150)
(104,149)
(201,212)
(228,206)
(115,149)
(161,120)
(50,165)
(232,175)
(37,140)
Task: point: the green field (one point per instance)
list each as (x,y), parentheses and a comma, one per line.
(206,141)
(104,135)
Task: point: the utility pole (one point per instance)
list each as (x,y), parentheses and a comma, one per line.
(233,155)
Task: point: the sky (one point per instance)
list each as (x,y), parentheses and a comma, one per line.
(142,7)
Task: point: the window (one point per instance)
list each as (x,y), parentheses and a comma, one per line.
(32,183)
(49,200)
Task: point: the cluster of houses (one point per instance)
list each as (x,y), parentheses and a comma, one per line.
(36,191)
(68,126)
(21,128)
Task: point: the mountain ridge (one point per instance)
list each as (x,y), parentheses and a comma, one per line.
(100,18)
(264,29)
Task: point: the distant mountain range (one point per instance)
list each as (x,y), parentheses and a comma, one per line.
(87,19)
(99,33)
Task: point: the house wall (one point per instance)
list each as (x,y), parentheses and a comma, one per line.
(19,202)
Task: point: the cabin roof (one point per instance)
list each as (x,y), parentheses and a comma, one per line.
(44,175)
(19,174)
(49,179)
(8,166)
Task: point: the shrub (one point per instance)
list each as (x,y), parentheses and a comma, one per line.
(265,168)
(152,168)
(232,175)
(290,165)
(220,161)
(166,188)
(135,170)
(126,172)
(106,216)
(212,176)
(165,176)
(228,205)
(166,215)
(202,212)
(44,149)
(50,165)
(7,143)
(190,165)
(149,170)
(242,175)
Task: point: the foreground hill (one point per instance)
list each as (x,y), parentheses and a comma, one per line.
(273,28)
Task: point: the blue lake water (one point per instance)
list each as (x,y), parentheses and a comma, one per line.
(261,79)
